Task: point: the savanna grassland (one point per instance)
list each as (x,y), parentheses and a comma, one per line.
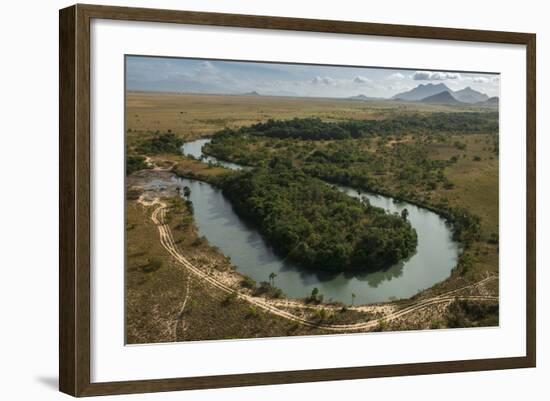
(164,303)
(450,168)
(194,116)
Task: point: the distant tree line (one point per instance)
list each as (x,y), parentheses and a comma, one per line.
(316,129)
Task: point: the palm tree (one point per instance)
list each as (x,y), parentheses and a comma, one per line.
(272,276)
(314,294)
(353,298)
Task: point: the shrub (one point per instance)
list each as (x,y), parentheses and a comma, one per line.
(315,297)
(229,298)
(248,282)
(448,185)
(493,239)
(266,289)
(135,163)
(382,325)
(462,313)
(153,265)
(321,315)
(199,241)
(460,145)
(252,312)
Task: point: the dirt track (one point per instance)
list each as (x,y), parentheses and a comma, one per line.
(271,306)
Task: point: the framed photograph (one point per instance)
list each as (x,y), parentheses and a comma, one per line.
(250,200)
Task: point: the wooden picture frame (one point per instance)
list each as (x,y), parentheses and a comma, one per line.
(74,203)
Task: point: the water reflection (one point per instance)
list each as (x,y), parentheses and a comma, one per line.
(435,256)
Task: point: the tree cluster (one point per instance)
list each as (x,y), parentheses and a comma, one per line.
(317,129)
(135,163)
(160,143)
(316,225)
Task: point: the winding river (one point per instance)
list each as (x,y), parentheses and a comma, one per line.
(433,261)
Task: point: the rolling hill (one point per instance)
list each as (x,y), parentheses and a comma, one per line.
(364,97)
(492,101)
(469,95)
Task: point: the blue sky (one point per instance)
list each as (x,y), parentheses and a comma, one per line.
(234,77)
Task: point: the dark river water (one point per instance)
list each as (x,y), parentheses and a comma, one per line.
(435,256)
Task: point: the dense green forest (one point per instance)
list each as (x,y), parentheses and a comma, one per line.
(315,224)
(404,170)
(316,129)
(160,143)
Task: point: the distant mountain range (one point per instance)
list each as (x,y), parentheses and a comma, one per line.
(363,97)
(469,95)
(423,93)
(441,93)
(492,101)
(438,94)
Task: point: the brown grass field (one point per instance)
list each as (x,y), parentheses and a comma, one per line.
(156,285)
(192,116)
(154,294)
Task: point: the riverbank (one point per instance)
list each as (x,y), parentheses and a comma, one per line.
(166,301)
(454,280)
(434,260)
(189,292)
(432,171)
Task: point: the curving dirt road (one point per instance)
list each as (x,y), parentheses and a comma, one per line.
(153,166)
(168,243)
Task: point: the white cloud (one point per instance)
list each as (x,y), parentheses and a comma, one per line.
(322,81)
(434,76)
(396,75)
(210,76)
(481,80)
(361,80)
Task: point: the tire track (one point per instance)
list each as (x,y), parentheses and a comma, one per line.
(180,324)
(167,241)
